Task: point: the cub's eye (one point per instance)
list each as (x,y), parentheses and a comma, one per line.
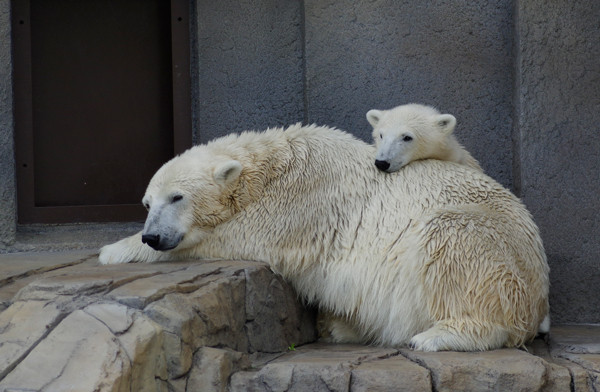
(147,206)
(176,198)
(407,138)
(381,135)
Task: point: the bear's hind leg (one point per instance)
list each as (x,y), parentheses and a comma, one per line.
(464,335)
(336,329)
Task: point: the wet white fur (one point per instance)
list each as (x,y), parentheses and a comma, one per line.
(436,254)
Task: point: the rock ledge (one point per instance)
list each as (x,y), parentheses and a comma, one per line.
(67,323)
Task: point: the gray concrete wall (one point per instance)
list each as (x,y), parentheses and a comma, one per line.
(558,102)
(455,55)
(7,156)
(249,66)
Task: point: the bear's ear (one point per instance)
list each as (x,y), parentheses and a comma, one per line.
(227,172)
(446,123)
(374,116)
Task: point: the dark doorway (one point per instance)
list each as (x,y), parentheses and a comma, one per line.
(101,102)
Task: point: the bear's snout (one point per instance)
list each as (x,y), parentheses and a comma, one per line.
(152,240)
(382,165)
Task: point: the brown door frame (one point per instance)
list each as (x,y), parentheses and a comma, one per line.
(28,212)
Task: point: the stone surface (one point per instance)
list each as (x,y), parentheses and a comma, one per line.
(144,323)
(273,320)
(502,370)
(22,326)
(140,292)
(20,269)
(62,361)
(394,374)
(581,380)
(87,281)
(116,317)
(578,339)
(559,371)
(319,367)
(213,368)
(21,265)
(576,347)
(144,343)
(231,326)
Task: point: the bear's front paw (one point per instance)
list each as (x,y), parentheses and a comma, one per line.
(114,254)
(430,340)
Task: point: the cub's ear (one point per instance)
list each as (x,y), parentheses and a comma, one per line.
(374,116)
(446,123)
(226,172)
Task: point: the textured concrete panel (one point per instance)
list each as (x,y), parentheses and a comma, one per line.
(8,208)
(559,125)
(249,60)
(455,55)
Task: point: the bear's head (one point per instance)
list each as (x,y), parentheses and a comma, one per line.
(188,196)
(408,133)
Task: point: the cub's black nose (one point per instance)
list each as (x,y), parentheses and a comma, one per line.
(382,165)
(151,240)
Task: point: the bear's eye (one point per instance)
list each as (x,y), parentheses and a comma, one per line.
(176,198)
(407,138)
(381,135)
(147,206)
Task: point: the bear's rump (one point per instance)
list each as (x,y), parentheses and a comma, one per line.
(473,268)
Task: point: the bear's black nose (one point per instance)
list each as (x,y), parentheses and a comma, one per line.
(382,165)
(151,240)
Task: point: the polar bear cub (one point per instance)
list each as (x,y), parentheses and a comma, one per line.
(411,132)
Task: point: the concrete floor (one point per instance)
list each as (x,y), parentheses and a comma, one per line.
(43,238)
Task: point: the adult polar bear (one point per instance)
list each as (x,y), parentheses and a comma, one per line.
(436,255)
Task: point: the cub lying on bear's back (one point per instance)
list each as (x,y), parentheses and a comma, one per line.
(411,132)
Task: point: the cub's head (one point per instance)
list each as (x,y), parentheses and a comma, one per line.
(408,133)
(188,196)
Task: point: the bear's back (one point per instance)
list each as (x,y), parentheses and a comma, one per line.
(432,183)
